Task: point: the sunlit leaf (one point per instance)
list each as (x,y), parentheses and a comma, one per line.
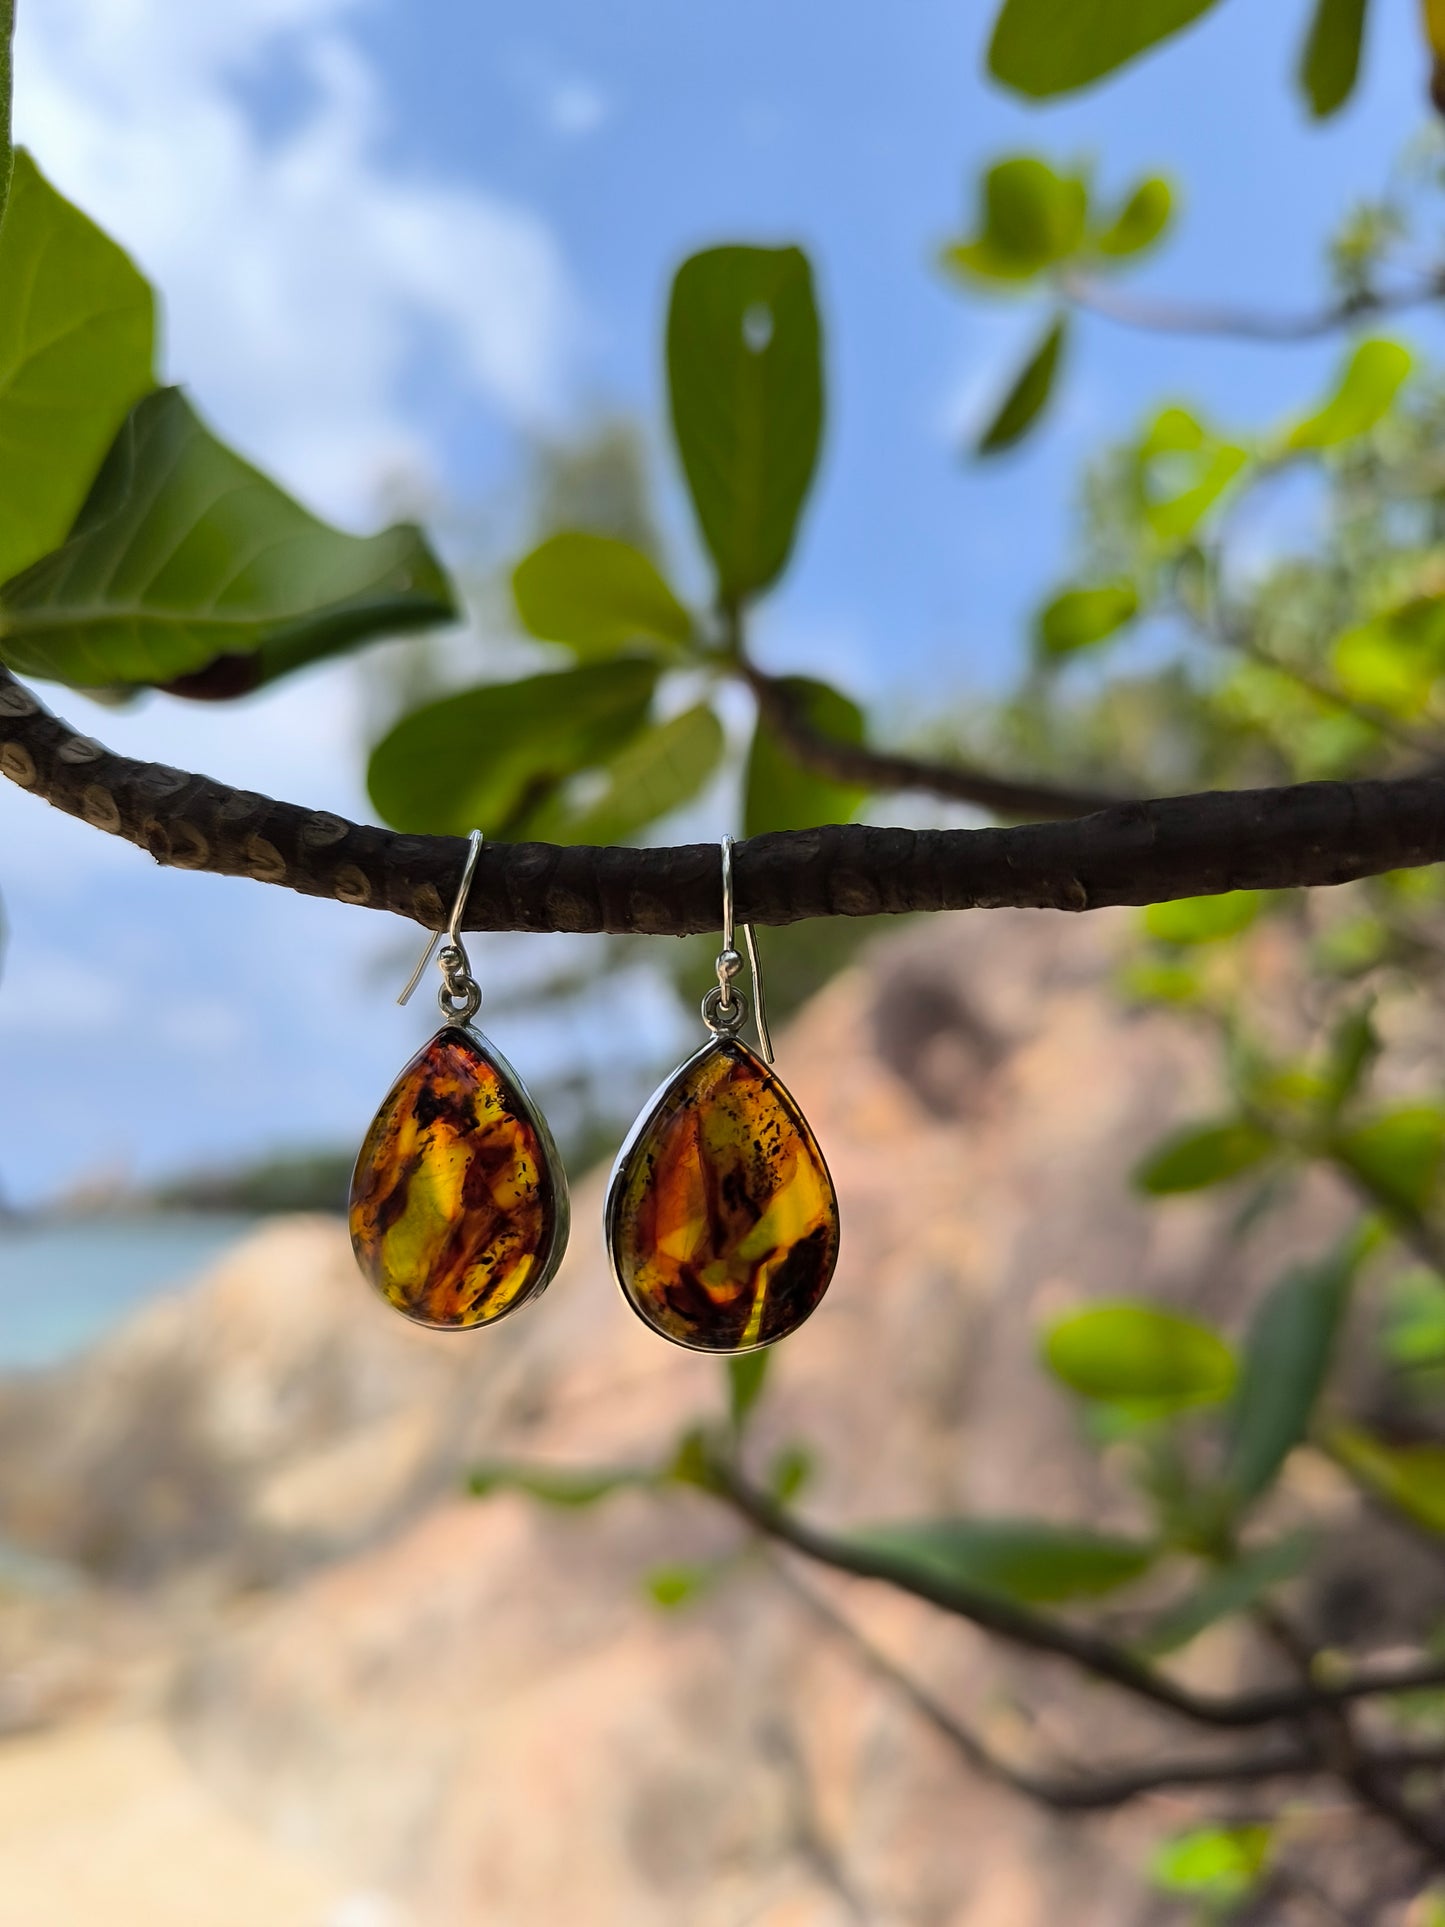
(1030,218)
(494,755)
(1409,1477)
(654,773)
(1217,1864)
(1394,661)
(596,595)
(1201,1155)
(1190,920)
(1139,222)
(1229,1589)
(1330,63)
(1368,384)
(76,340)
(778,793)
(745,375)
(1286,1360)
(1397,1154)
(1173,517)
(1023,1559)
(1140,1355)
(1028,394)
(1078,618)
(183,554)
(1046,47)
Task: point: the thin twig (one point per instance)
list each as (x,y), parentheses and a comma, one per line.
(1041,1632)
(1205,318)
(1071,1793)
(883,771)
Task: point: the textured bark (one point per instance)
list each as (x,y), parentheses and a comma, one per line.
(1143,852)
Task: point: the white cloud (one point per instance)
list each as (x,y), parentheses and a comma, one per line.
(303,272)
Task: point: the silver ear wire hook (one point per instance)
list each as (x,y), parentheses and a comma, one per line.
(724,999)
(459,995)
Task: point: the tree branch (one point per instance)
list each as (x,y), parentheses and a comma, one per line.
(880,770)
(1041,1632)
(1147,852)
(1203,318)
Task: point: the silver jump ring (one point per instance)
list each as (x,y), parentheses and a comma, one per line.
(722,1018)
(460,1005)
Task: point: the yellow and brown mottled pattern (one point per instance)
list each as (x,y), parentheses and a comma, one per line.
(458,1202)
(721,1216)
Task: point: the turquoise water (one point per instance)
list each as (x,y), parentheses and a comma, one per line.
(66,1283)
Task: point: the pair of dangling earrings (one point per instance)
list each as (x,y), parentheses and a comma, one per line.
(721,1219)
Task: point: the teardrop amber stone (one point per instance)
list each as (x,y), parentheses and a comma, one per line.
(458,1203)
(722,1220)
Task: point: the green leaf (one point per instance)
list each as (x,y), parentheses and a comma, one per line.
(1368,384)
(1140,1355)
(1287,1357)
(1078,618)
(1394,660)
(1190,920)
(1354,1046)
(183,554)
(555,1485)
(76,342)
(1397,1155)
(1183,471)
(675,1585)
(1028,394)
(778,793)
(1045,47)
(1030,218)
(747,1374)
(790,1471)
(1409,1477)
(597,595)
(654,773)
(1022,1559)
(744,366)
(1330,62)
(495,755)
(1140,221)
(692,1461)
(1203,1154)
(1227,1590)
(1414,1333)
(1173,518)
(1216,1864)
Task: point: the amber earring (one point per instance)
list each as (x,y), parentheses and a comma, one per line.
(721,1218)
(459,1208)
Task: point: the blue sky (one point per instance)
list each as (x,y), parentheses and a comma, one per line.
(396,241)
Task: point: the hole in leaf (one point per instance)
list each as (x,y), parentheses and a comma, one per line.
(758,327)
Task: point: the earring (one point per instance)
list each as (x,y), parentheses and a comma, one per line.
(459,1210)
(721,1218)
